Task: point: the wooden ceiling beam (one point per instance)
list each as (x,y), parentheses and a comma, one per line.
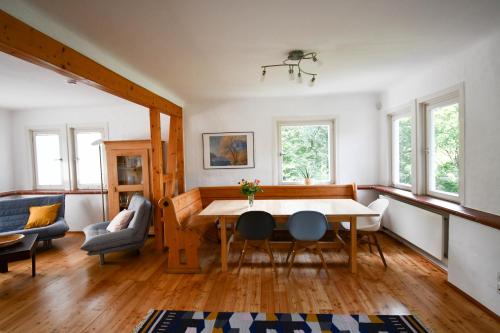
(22,41)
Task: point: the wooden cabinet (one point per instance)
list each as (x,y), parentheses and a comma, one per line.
(129,172)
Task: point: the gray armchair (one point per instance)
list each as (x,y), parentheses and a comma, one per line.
(100,241)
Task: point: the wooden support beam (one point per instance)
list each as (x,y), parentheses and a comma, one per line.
(22,41)
(171,175)
(156,173)
(180,156)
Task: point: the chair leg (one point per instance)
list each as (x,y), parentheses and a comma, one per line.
(323,262)
(290,251)
(270,253)
(369,243)
(379,250)
(242,255)
(101,258)
(292,259)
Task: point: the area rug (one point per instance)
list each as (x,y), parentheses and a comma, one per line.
(166,321)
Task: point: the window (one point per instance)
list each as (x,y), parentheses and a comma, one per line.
(67,157)
(86,156)
(47,159)
(402,151)
(306,151)
(443,149)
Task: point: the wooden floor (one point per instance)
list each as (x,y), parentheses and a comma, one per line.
(72,293)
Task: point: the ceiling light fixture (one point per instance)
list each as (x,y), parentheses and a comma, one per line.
(293,61)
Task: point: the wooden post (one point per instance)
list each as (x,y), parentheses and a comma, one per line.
(180,156)
(172,156)
(157,173)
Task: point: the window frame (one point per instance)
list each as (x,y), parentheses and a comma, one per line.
(394,147)
(454,94)
(332,147)
(428,139)
(63,158)
(72,143)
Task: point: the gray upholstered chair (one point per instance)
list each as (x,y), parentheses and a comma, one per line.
(307,228)
(100,241)
(255,227)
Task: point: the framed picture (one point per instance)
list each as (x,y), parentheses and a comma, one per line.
(228,150)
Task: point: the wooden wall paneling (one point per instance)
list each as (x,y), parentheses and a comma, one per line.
(22,41)
(212,193)
(156,174)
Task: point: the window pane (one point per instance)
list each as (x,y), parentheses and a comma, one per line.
(402,133)
(48,159)
(444,149)
(305,152)
(88,166)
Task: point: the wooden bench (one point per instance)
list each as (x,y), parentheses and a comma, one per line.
(184,229)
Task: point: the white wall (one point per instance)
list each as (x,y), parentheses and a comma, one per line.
(356,123)
(6,168)
(124,122)
(479,68)
(473,263)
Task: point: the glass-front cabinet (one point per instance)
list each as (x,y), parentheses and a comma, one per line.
(128,164)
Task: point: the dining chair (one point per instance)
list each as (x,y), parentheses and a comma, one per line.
(369,226)
(307,228)
(255,227)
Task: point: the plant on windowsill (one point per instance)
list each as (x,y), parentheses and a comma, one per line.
(306,173)
(250,189)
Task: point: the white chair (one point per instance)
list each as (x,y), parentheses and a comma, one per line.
(368,226)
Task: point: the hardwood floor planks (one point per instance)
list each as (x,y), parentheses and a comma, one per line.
(72,293)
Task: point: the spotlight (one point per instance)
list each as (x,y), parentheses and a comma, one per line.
(290,72)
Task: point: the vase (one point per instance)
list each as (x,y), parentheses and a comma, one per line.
(308,181)
(251,198)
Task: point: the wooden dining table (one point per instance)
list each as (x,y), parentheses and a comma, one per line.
(335,210)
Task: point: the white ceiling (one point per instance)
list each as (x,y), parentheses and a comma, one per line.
(214,49)
(27,86)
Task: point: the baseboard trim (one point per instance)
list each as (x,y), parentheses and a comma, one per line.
(437,263)
(473,300)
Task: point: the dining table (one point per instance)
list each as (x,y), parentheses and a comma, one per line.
(335,210)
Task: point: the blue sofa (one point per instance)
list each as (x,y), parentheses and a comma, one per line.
(14,214)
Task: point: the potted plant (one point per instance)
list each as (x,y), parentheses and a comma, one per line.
(306,173)
(250,189)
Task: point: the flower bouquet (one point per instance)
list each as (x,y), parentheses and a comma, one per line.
(249,189)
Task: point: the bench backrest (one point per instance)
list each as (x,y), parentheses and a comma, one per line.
(177,210)
(209,194)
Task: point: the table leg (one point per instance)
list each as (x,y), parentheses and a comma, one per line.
(354,245)
(223,244)
(33,265)
(4,266)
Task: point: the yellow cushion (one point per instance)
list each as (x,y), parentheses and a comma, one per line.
(42,216)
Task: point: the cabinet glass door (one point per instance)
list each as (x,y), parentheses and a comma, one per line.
(128,177)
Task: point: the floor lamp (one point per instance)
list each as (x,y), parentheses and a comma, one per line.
(99,143)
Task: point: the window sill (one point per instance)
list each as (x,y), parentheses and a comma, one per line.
(441,206)
(49,192)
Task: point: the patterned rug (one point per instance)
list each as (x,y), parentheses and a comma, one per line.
(166,321)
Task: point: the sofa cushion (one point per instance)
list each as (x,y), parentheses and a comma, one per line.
(14,213)
(120,221)
(56,229)
(42,216)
